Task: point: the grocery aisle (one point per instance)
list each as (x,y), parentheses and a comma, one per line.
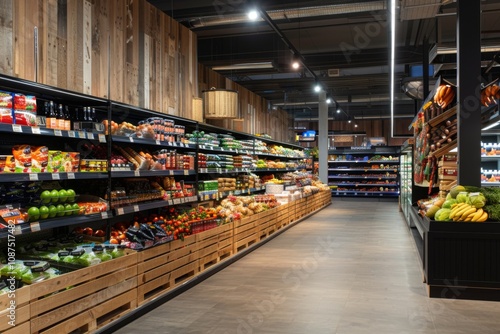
(351,268)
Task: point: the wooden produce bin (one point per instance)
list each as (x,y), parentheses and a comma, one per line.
(246,232)
(165,266)
(214,245)
(21,313)
(85,299)
(282,216)
(267,222)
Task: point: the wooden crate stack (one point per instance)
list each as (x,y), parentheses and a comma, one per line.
(447,173)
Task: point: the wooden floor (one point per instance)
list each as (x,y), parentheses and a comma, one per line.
(351,268)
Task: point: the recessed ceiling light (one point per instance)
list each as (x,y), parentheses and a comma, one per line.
(349,121)
(355,125)
(338,111)
(295,65)
(328,100)
(317,88)
(253,15)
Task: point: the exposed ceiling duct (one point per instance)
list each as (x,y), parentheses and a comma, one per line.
(288,14)
(420,9)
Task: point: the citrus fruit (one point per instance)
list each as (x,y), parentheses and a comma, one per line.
(60,210)
(45,197)
(54,196)
(33,213)
(63,196)
(52,211)
(44,212)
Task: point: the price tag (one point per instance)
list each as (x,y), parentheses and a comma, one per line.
(169,144)
(18,230)
(136,208)
(212,148)
(222,149)
(183,200)
(17,128)
(202,147)
(104,215)
(56,176)
(177,201)
(206,198)
(90,136)
(237,152)
(35,227)
(170,172)
(102,138)
(33,177)
(137,172)
(120,211)
(35,130)
(58,133)
(71,134)
(158,142)
(71,176)
(181,144)
(175,144)
(82,135)
(131,139)
(186,172)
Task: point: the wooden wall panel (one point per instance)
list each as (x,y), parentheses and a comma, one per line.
(6,29)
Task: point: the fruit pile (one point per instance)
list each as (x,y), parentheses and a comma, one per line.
(55,203)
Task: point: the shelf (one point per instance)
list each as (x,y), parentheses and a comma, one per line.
(490,184)
(218,195)
(363,184)
(212,149)
(365,193)
(23,177)
(147,173)
(39,131)
(153,205)
(48,224)
(362,177)
(224,170)
(365,162)
(490,157)
(148,141)
(394,170)
(273,169)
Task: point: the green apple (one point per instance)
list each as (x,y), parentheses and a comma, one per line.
(68,209)
(76,208)
(63,196)
(60,210)
(45,197)
(44,212)
(54,196)
(33,213)
(52,211)
(71,195)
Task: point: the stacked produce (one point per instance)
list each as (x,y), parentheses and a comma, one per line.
(55,203)
(489,94)
(444,95)
(229,142)
(160,160)
(204,139)
(153,128)
(226,184)
(26,272)
(261,147)
(236,207)
(280,150)
(443,134)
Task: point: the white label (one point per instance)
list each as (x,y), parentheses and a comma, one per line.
(206,197)
(58,133)
(71,134)
(212,148)
(170,172)
(222,148)
(71,176)
(131,139)
(90,136)
(202,147)
(33,177)
(177,201)
(158,142)
(169,144)
(35,130)
(17,128)
(56,176)
(82,134)
(102,138)
(104,215)
(136,208)
(137,172)
(186,172)
(175,144)
(18,230)
(35,227)
(120,211)
(181,144)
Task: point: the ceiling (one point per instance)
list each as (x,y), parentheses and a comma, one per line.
(343,43)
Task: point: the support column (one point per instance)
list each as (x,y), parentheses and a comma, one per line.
(469,88)
(323,137)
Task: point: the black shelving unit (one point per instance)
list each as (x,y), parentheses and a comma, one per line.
(364,172)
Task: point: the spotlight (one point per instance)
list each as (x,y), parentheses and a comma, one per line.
(253,15)
(355,125)
(295,64)
(328,100)
(338,111)
(317,88)
(349,121)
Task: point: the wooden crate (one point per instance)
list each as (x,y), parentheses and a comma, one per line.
(208,245)
(22,311)
(246,232)
(267,222)
(165,266)
(98,294)
(226,242)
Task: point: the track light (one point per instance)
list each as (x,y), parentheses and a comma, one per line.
(253,15)
(349,121)
(338,110)
(317,88)
(295,64)
(355,125)
(328,100)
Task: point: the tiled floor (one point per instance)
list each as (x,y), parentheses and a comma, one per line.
(351,268)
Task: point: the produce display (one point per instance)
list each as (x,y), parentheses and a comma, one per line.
(489,94)
(16,108)
(160,160)
(158,128)
(236,207)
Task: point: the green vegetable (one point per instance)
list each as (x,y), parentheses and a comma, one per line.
(448,203)
(462,197)
(477,199)
(491,194)
(493,211)
(442,214)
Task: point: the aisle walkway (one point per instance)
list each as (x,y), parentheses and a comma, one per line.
(352,268)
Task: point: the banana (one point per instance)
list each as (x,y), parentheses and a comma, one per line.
(454,205)
(460,211)
(477,215)
(467,212)
(468,219)
(483,217)
(457,209)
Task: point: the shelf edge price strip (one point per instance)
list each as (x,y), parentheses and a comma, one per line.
(35,227)
(17,128)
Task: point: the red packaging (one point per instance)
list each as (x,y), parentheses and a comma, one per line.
(5,99)
(6,115)
(25,117)
(25,102)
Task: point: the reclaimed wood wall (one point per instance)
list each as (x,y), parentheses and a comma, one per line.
(255,116)
(125,50)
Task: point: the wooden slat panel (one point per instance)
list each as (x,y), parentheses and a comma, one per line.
(100,45)
(7,33)
(75,48)
(118,22)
